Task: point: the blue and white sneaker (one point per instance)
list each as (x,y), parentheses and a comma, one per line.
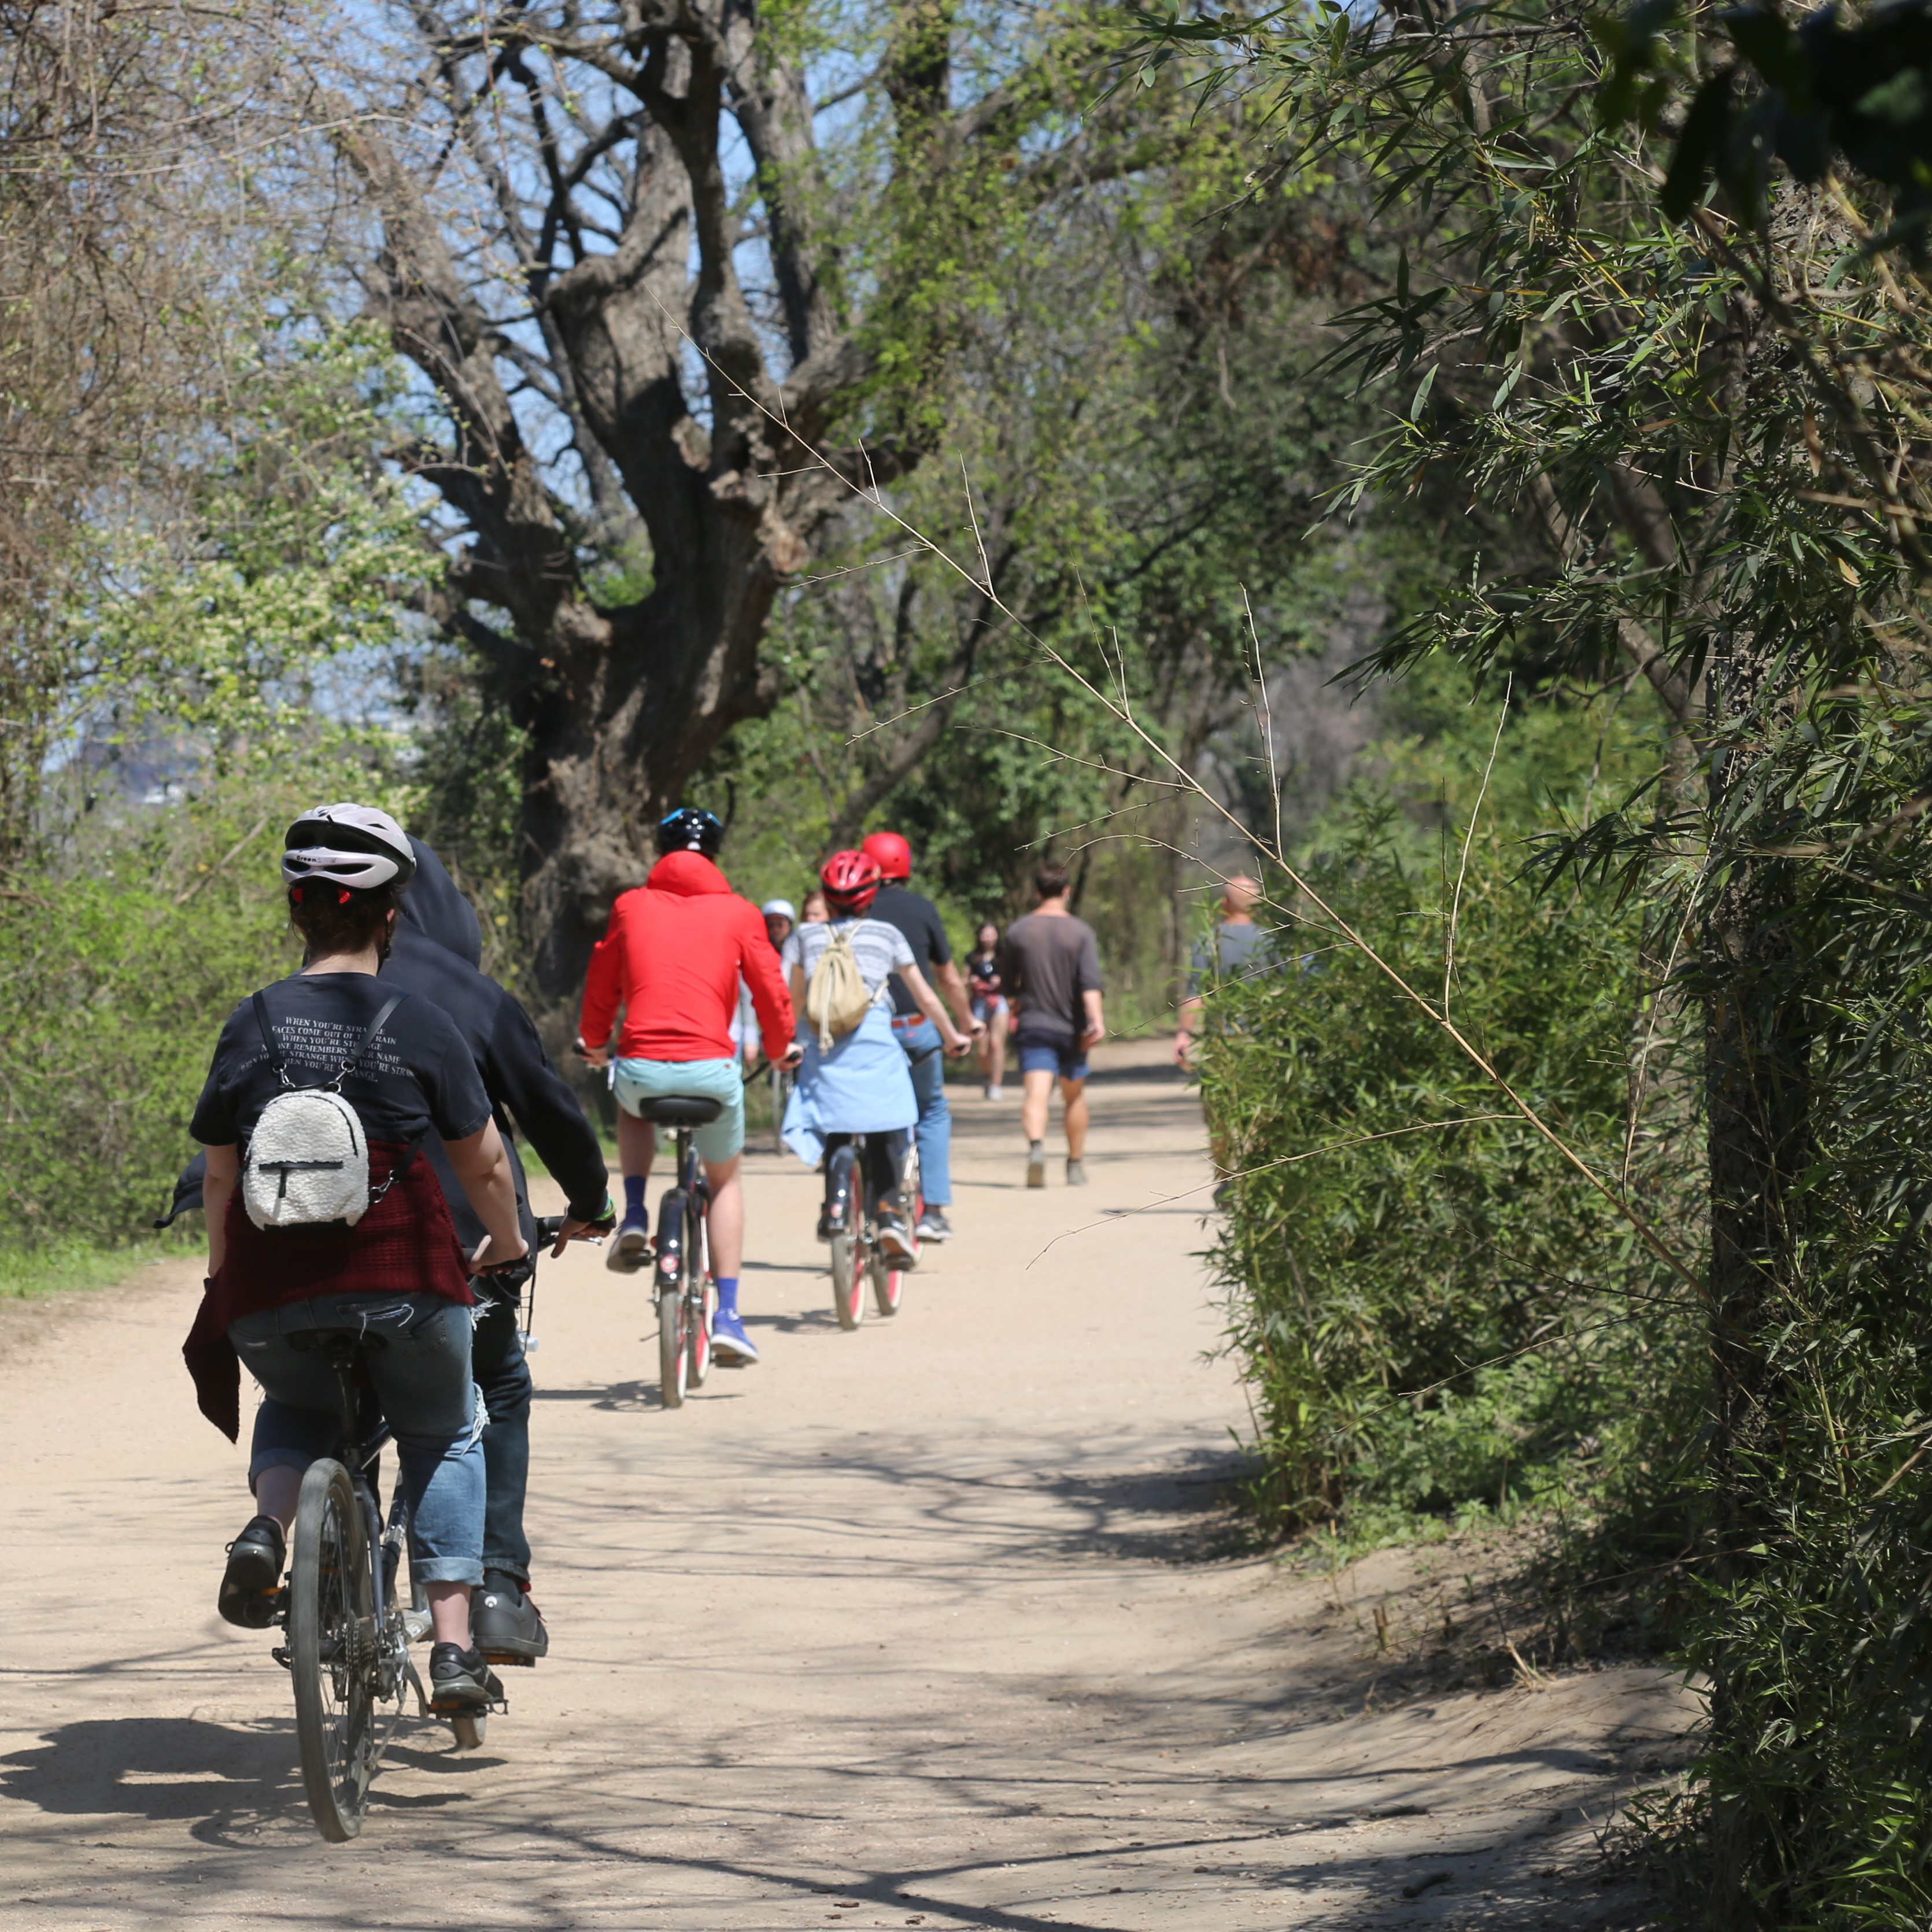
(630,1248)
(730,1346)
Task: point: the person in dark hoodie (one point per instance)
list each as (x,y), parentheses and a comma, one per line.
(436,956)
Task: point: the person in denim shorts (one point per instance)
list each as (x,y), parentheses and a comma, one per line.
(1051,965)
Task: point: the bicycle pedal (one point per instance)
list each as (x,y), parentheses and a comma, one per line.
(500,1657)
(495,1707)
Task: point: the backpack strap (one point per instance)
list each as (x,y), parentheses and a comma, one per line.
(275,1059)
(368,1039)
(279,1063)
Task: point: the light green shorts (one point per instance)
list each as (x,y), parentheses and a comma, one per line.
(638,1080)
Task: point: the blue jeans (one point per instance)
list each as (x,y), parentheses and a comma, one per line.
(925,1055)
(502,1372)
(422,1377)
(1067,1061)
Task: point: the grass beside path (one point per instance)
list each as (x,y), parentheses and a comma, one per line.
(62,1266)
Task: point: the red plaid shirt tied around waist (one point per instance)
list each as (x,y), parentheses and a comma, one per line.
(405,1244)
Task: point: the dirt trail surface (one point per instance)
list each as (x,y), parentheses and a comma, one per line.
(919,1626)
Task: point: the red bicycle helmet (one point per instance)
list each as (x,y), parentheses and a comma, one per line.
(893,853)
(851,881)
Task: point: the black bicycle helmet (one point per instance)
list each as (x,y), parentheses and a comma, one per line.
(688,829)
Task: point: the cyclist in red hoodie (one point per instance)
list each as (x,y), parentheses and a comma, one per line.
(670,959)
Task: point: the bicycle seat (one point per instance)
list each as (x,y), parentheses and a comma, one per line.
(680,1110)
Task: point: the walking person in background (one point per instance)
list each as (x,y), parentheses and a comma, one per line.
(1052,972)
(985,982)
(779,917)
(812,909)
(1227,956)
(917,919)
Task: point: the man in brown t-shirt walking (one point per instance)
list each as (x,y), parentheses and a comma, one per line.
(1051,970)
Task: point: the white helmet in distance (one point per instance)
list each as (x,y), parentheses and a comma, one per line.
(353,845)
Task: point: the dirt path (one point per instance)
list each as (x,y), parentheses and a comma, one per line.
(915,1626)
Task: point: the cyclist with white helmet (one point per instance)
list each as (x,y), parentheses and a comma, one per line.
(670,962)
(392,1268)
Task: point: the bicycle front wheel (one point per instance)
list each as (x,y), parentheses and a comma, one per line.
(848,1281)
(673,1357)
(332,1651)
(701,1300)
(889,1281)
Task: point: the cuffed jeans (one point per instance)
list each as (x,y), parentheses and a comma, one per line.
(421,1372)
(925,1055)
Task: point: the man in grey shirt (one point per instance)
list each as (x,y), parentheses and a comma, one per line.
(1051,966)
(1234,943)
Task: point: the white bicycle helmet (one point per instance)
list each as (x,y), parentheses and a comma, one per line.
(353,845)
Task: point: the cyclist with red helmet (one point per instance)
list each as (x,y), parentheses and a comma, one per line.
(671,960)
(918,919)
(857,1081)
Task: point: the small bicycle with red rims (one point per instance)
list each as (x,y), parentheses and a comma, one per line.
(858,1256)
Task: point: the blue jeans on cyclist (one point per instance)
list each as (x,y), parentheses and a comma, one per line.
(419,1366)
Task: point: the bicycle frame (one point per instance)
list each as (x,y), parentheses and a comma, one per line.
(689,1185)
(384,1543)
(387,1542)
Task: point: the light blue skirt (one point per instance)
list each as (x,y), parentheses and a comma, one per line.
(862,1086)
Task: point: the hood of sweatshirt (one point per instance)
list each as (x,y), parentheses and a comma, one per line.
(435,907)
(687,874)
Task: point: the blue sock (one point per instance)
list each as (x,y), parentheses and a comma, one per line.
(726,1285)
(633,1198)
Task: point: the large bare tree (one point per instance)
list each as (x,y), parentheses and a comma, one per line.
(670,331)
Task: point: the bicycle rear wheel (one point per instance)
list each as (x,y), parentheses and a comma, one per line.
(673,1358)
(332,1651)
(848,1281)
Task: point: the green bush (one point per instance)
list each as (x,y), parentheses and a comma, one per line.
(1435,1320)
(120,957)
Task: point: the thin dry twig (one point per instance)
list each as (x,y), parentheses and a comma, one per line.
(1469,839)
(234,852)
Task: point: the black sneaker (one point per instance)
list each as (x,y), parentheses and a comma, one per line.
(253,1581)
(460,1680)
(504,1625)
(895,1239)
(934,1226)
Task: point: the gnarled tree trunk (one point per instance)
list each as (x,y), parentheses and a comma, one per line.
(593,286)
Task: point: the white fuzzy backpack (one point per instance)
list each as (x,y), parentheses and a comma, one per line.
(307,1164)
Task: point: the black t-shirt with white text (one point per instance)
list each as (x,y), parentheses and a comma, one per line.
(416,1077)
(918,918)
